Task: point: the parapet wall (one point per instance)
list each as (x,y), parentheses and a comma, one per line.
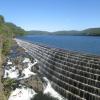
(75,76)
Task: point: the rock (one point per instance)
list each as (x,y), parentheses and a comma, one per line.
(34,82)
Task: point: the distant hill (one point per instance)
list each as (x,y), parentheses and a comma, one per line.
(86,32)
(92,31)
(73,32)
(53,33)
(9,29)
(35,32)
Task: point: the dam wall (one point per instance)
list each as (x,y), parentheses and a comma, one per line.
(74,75)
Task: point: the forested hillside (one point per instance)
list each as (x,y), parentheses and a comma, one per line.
(7,32)
(92,31)
(86,32)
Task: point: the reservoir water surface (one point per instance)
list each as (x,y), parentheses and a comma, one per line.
(84,44)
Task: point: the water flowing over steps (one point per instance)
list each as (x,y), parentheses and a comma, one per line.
(75,76)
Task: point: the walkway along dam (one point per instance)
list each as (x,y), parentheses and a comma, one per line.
(75,76)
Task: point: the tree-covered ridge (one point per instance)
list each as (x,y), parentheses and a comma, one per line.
(7,32)
(92,31)
(86,32)
(9,28)
(16,30)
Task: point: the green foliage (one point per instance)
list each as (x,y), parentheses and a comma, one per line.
(9,85)
(37,32)
(10,29)
(6,47)
(92,31)
(15,29)
(87,32)
(1,19)
(7,32)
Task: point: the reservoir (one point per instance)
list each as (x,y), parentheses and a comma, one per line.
(83,44)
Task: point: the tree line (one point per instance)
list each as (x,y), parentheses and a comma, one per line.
(8,30)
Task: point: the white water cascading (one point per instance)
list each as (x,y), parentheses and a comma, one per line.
(49,90)
(25,93)
(13,73)
(22,93)
(27,71)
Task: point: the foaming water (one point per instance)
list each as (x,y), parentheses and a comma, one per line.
(13,73)
(49,90)
(22,93)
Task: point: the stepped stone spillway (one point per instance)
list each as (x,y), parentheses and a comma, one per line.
(75,76)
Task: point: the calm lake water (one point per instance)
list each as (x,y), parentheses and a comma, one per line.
(84,44)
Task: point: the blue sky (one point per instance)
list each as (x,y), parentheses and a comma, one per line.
(52,15)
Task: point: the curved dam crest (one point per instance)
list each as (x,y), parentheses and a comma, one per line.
(74,75)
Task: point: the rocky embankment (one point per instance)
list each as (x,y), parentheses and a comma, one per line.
(21,78)
(23,68)
(19,66)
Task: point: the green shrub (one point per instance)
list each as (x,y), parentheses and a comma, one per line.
(6,47)
(9,85)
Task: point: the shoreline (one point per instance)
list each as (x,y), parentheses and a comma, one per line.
(63,49)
